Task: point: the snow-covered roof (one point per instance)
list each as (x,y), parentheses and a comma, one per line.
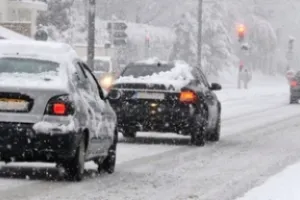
(179,76)
(11,35)
(37,49)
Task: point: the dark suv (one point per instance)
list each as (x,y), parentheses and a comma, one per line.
(166,97)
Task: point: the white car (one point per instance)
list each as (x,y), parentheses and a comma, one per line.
(52,109)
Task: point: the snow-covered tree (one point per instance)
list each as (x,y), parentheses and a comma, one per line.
(263,41)
(217,44)
(217,51)
(184,47)
(57,15)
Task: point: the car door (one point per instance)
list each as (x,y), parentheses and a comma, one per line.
(102,114)
(81,89)
(210,98)
(90,96)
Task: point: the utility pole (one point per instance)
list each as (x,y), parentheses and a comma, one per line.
(199,45)
(91,33)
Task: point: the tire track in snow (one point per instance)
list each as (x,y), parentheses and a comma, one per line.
(43,186)
(155,177)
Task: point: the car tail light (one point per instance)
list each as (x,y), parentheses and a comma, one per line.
(294,83)
(60,106)
(188,97)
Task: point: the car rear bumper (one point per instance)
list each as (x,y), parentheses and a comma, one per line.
(295,93)
(166,120)
(20,142)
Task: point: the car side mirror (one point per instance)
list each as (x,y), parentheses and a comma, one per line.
(215,86)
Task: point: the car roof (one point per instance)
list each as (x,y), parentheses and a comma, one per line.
(53,51)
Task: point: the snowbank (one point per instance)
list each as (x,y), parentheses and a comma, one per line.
(283,186)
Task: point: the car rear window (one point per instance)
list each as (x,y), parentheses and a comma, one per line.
(138,70)
(30,66)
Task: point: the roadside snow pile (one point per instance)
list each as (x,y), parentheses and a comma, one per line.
(283,186)
(178,76)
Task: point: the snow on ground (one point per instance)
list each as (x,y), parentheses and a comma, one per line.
(247,106)
(282,186)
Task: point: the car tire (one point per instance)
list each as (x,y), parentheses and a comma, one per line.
(129,132)
(75,167)
(198,130)
(109,163)
(215,134)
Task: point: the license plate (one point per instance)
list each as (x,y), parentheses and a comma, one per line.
(13,104)
(145,95)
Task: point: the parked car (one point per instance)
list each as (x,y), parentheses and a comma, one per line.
(166,97)
(52,109)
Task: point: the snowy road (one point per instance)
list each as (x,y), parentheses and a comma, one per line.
(259,137)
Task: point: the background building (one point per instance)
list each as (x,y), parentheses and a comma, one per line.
(21,15)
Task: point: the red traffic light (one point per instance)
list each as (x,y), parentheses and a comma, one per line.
(241,29)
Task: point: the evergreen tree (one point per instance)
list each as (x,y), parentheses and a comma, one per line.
(58,14)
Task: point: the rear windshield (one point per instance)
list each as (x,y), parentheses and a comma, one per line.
(100,65)
(30,66)
(138,70)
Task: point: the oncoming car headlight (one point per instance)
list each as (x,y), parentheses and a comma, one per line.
(106,82)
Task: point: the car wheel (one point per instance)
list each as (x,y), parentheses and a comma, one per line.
(215,134)
(75,167)
(129,132)
(198,130)
(109,163)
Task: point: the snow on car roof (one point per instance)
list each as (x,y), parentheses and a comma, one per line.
(49,51)
(179,76)
(37,49)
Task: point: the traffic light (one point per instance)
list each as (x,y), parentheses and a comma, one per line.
(241,29)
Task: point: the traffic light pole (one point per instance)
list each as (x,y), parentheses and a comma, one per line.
(91,34)
(199,45)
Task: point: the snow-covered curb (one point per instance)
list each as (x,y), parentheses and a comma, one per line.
(283,186)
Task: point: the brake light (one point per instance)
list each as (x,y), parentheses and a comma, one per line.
(60,106)
(294,83)
(188,97)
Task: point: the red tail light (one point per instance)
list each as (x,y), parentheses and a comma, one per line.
(188,97)
(294,83)
(60,106)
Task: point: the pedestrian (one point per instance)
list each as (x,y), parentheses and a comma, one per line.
(244,77)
